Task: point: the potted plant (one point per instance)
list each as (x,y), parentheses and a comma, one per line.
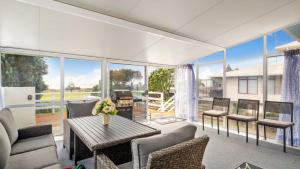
(105,107)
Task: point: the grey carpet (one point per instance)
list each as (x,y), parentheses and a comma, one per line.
(223,152)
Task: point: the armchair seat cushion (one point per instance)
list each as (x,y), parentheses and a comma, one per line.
(214,113)
(275,123)
(142,147)
(241,117)
(33,143)
(40,158)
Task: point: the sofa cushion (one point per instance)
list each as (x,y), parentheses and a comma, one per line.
(7,120)
(79,109)
(142,147)
(5,147)
(33,159)
(32,143)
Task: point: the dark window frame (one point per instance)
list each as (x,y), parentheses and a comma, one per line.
(247,79)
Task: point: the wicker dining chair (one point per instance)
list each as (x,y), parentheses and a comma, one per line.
(272,110)
(220,108)
(74,110)
(242,106)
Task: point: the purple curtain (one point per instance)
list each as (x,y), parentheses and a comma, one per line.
(185,96)
(291,93)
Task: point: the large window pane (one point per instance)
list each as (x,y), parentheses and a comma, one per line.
(82,80)
(130,77)
(161,99)
(210,82)
(31,89)
(244,76)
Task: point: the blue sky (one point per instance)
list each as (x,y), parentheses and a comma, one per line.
(249,52)
(85,73)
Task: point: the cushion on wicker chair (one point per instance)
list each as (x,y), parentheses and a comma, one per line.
(7,120)
(275,123)
(215,112)
(241,117)
(142,147)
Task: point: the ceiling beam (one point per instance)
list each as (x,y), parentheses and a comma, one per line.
(69,9)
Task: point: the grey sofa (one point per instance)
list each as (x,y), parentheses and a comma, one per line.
(26,148)
(175,150)
(75,109)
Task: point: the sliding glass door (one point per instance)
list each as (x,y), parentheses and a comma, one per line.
(132,78)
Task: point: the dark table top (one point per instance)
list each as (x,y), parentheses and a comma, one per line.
(95,135)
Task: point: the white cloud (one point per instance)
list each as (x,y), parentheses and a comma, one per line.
(82,81)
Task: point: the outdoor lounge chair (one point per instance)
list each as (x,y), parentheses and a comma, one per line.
(164,152)
(271,112)
(75,109)
(220,108)
(242,114)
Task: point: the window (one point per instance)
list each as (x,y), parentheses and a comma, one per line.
(35,76)
(275,63)
(130,77)
(82,79)
(247,85)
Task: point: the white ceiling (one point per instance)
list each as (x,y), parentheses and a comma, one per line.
(222,23)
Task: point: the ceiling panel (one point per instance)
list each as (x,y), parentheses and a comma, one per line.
(169,15)
(77,35)
(117,8)
(19,25)
(277,19)
(228,15)
(173,52)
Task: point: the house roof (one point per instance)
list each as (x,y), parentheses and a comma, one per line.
(164,32)
(273,69)
(288,46)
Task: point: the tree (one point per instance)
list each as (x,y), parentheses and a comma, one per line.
(22,71)
(71,86)
(161,80)
(122,77)
(228,68)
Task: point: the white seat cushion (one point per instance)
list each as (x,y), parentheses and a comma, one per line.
(215,112)
(241,117)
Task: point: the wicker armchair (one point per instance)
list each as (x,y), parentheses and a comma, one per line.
(187,155)
(75,109)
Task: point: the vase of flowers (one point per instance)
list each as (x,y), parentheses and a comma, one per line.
(105,107)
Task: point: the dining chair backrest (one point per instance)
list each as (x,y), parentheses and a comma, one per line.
(245,105)
(221,103)
(274,109)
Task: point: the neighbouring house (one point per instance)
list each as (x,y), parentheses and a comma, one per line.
(245,83)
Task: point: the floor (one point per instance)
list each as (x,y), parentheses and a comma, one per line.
(223,152)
